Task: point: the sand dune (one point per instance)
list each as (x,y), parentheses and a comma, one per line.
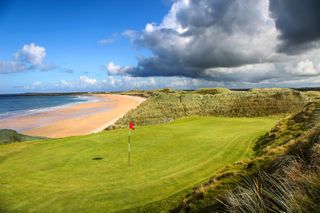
(78,119)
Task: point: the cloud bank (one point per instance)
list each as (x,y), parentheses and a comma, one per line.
(298,22)
(230,41)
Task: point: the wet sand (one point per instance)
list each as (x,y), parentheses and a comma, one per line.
(77,119)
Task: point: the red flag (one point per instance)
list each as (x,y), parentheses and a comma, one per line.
(131,125)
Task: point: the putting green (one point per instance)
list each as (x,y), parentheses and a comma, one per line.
(91,173)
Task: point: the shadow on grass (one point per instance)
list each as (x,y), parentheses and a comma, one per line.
(97,158)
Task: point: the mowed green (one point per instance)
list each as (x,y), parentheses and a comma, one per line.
(91,173)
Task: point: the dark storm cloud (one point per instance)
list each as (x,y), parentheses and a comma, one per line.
(298,22)
(223,41)
(197,35)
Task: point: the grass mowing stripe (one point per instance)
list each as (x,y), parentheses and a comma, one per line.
(61,175)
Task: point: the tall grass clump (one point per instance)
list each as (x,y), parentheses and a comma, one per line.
(264,193)
(292,187)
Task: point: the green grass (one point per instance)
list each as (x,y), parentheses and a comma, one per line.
(61,176)
(10,136)
(212,91)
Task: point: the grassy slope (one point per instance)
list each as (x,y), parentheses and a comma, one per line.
(10,136)
(60,175)
(163,107)
(287,156)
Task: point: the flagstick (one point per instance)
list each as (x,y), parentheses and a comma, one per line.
(129,144)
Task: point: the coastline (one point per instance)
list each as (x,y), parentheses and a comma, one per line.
(74,119)
(20,113)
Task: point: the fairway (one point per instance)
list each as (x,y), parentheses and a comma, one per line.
(91,174)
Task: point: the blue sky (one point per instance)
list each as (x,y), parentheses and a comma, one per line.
(96,45)
(70,32)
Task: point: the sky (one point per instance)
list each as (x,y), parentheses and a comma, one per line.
(96,45)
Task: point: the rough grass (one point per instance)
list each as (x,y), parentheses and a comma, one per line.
(148,93)
(284,175)
(166,107)
(212,91)
(292,185)
(90,173)
(10,136)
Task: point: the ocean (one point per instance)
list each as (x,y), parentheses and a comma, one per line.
(12,105)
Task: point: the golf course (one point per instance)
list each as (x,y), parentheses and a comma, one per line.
(91,173)
(162,106)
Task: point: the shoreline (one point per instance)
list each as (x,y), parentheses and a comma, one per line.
(109,123)
(101,128)
(20,113)
(74,119)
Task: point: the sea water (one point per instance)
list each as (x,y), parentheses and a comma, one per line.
(15,105)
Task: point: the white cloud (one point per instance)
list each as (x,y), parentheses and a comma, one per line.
(33,86)
(138,82)
(131,34)
(37,83)
(31,53)
(149,27)
(152,81)
(128,83)
(12,66)
(87,80)
(114,69)
(181,83)
(64,83)
(30,57)
(305,67)
(111,81)
(68,70)
(106,41)
(109,40)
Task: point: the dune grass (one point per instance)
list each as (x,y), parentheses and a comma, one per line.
(91,174)
(212,91)
(164,107)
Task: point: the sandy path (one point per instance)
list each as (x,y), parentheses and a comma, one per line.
(78,119)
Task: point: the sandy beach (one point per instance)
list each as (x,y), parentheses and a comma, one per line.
(77,119)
